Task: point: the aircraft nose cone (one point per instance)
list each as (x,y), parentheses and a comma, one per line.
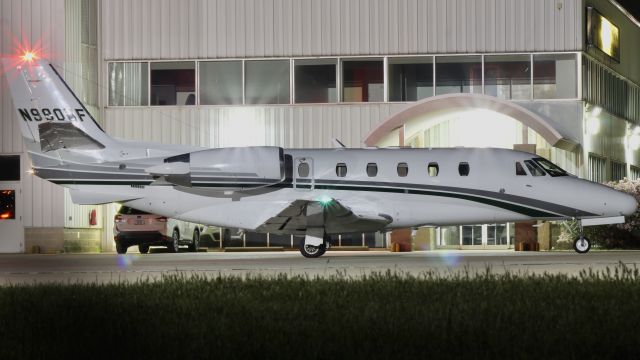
(627,204)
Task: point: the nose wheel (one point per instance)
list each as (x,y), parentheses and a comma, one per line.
(582,245)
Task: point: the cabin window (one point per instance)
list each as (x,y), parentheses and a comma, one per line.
(403,169)
(341,170)
(551,168)
(463,169)
(372,169)
(433,169)
(520,170)
(303,169)
(534,169)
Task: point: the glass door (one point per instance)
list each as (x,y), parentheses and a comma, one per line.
(471,235)
(497,234)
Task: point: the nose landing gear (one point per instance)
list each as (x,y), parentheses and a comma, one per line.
(581,245)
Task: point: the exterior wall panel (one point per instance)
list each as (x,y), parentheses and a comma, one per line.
(31,23)
(310,126)
(257,28)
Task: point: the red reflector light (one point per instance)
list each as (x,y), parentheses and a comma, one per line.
(162,219)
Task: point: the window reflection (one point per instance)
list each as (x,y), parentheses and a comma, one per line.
(267,82)
(458,74)
(497,234)
(555,76)
(508,76)
(410,79)
(128,84)
(173,83)
(315,81)
(7,204)
(362,81)
(450,235)
(472,235)
(220,82)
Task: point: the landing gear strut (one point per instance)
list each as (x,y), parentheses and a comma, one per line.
(581,245)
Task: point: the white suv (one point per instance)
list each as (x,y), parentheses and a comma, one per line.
(184,233)
(134,227)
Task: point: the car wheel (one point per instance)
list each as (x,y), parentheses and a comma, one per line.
(143,248)
(174,245)
(195,241)
(121,248)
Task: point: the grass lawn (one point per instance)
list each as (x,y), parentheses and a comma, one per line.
(379,316)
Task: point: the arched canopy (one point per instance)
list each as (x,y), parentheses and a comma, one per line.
(468,102)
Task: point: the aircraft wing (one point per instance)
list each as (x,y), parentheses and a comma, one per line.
(335,216)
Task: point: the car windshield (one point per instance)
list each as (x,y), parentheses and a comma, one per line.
(551,168)
(125,210)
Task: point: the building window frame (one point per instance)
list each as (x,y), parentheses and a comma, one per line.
(340,79)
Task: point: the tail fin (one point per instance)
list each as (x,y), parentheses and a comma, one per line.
(50,114)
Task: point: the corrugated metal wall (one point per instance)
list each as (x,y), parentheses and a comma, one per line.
(81,73)
(162,29)
(31,23)
(287,126)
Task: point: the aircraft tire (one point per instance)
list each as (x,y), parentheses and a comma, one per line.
(582,245)
(310,251)
(143,248)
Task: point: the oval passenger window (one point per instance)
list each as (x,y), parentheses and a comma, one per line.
(372,169)
(341,170)
(403,169)
(303,169)
(433,169)
(463,169)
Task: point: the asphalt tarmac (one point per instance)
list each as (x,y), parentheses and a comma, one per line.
(71,268)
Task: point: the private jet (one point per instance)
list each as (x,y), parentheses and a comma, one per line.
(311,193)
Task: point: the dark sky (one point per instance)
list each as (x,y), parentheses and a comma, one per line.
(632,6)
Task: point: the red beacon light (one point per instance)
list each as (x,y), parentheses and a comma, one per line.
(28,56)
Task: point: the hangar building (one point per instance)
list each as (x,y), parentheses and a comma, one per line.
(556,77)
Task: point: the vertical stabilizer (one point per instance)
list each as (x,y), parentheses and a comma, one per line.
(51,116)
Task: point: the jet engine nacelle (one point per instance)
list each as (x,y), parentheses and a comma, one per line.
(225,168)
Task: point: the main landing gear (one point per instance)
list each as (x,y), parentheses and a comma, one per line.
(581,245)
(313,246)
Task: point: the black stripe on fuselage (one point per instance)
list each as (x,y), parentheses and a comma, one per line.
(522,205)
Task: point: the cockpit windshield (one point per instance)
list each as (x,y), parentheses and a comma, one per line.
(551,168)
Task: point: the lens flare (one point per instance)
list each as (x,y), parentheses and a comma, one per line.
(325,200)
(450,259)
(125,261)
(29,56)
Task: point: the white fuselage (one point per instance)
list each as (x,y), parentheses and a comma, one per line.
(492,192)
